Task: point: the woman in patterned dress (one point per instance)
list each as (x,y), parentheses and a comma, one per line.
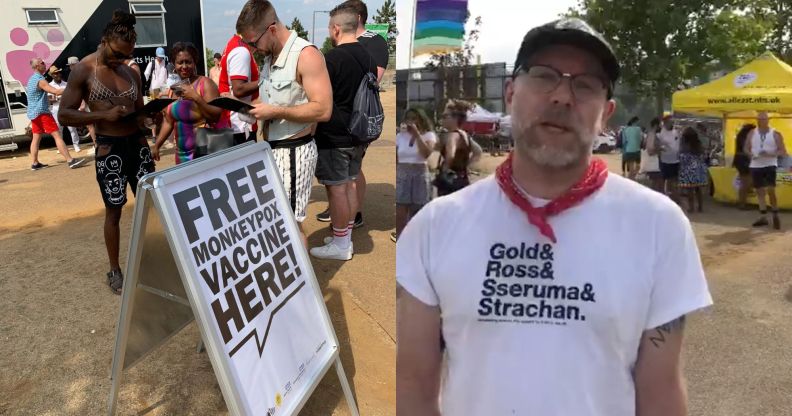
(191,110)
(692,168)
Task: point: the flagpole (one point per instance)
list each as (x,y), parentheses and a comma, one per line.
(410,57)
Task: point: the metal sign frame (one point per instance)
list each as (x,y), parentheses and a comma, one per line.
(151,195)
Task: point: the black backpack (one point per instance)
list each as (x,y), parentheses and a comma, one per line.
(367,115)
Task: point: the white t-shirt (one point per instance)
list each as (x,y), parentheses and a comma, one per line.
(626,261)
(670,140)
(759,142)
(239,68)
(56,104)
(157,72)
(410,154)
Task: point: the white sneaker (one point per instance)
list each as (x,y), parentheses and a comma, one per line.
(332,251)
(329,239)
(76,150)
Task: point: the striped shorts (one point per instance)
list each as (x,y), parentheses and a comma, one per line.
(296,160)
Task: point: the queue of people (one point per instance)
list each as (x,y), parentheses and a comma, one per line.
(301,99)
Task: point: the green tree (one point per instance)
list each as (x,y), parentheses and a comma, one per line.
(779,14)
(460,58)
(452,66)
(387,14)
(297,26)
(662,45)
(327,45)
(209,59)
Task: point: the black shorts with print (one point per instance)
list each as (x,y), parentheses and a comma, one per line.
(121,160)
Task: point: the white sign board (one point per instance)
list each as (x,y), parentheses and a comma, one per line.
(248,278)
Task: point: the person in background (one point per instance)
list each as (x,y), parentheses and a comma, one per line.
(340,154)
(414,144)
(191,110)
(58,82)
(650,163)
(668,147)
(741,162)
(377,47)
(764,146)
(455,147)
(40,116)
(632,138)
(239,78)
(157,73)
(692,168)
(71,63)
(708,142)
(214,73)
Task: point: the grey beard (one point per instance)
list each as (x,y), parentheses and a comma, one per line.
(554,157)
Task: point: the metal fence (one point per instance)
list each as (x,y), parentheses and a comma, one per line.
(430,89)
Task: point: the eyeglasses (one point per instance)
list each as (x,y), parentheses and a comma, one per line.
(119,55)
(545,79)
(254,44)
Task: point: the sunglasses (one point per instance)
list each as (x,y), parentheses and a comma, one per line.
(254,43)
(119,55)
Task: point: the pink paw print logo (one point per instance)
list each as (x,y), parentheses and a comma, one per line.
(18,61)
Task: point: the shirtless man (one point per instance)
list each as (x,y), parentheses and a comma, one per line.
(112,91)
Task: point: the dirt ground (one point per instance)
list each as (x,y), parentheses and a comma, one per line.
(58,318)
(738,359)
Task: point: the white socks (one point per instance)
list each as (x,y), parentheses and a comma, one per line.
(343,237)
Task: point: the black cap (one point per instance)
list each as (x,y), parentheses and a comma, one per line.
(569,31)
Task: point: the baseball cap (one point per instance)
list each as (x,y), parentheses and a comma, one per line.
(72,60)
(570,31)
(160,52)
(53,69)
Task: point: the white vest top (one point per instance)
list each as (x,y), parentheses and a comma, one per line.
(280,87)
(763,142)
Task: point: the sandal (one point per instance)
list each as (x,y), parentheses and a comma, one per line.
(115,279)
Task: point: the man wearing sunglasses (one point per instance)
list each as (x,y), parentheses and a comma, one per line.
(113,92)
(523,275)
(296,94)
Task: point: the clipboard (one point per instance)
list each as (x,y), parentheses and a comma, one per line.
(231,104)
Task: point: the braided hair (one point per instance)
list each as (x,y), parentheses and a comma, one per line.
(120,27)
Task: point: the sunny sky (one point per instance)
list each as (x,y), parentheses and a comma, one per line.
(504,23)
(220,17)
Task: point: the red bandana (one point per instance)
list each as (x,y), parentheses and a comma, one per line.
(593,180)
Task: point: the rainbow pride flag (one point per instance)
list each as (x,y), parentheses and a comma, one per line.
(439,26)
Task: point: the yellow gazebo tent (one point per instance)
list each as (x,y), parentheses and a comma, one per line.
(764,84)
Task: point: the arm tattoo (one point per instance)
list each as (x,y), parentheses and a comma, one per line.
(658,337)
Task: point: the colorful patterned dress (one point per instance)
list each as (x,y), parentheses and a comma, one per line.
(692,170)
(186,117)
